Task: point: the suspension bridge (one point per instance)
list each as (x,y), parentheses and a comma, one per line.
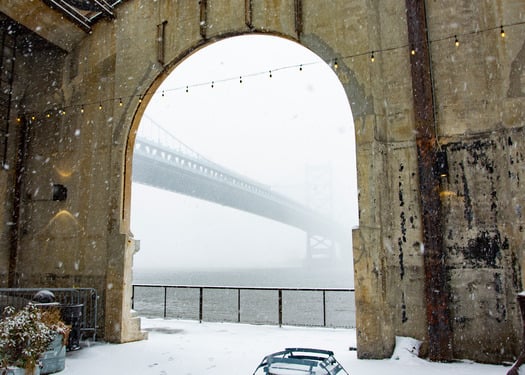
(162,161)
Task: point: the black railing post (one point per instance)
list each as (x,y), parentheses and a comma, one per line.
(239,305)
(165,295)
(280,307)
(132,296)
(324,308)
(200,305)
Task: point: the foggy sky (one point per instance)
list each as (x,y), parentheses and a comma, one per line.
(267,128)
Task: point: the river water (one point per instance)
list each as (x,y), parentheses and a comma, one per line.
(294,277)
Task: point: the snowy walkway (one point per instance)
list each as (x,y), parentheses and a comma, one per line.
(179,347)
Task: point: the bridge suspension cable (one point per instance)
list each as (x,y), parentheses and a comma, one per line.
(153,131)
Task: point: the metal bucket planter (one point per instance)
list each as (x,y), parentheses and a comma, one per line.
(19,371)
(54,359)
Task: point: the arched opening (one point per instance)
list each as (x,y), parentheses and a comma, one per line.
(275,115)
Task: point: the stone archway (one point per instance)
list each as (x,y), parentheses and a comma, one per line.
(362,107)
(104,91)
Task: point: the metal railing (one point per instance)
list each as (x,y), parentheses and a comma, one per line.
(19,297)
(260,305)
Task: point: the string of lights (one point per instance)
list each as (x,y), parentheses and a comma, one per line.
(456,40)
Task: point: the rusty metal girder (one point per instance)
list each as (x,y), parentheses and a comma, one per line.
(84,12)
(436,285)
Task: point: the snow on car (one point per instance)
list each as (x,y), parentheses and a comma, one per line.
(295,361)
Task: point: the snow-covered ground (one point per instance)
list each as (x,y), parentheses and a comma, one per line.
(180,347)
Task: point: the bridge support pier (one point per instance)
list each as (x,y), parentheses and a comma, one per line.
(120,324)
(319,247)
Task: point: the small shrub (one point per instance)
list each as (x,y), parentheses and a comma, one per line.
(52,319)
(24,336)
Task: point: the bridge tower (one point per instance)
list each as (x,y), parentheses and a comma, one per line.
(319,197)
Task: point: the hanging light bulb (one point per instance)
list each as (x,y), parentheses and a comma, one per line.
(187,89)
(456,41)
(212,84)
(140,99)
(502,32)
(33,118)
(270,74)
(240,79)
(413,51)
(163,93)
(100,106)
(48,115)
(336,65)
(120,102)
(82,109)
(372,58)
(301,67)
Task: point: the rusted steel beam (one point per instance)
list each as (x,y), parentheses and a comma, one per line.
(436,285)
(72,13)
(105,8)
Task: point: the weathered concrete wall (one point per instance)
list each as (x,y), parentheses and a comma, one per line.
(30,94)
(384,133)
(478,98)
(483,245)
(480,122)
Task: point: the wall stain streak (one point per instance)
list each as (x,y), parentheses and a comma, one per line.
(467,211)
(401,201)
(483,251)
(401,264)
(500,302)
(478,153)
(403,239)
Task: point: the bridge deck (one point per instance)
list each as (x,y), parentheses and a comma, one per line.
(168,169)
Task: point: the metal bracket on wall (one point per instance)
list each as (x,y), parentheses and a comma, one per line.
(298,8)
(161,42)
(203,17)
